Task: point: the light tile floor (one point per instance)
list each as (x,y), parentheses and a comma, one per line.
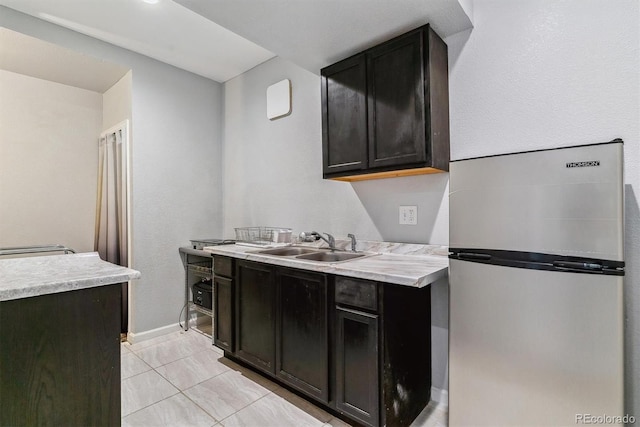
(180,379)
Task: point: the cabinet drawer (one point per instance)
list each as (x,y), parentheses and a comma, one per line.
(223,266)
(357,293)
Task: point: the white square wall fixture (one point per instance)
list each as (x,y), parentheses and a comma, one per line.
(279,99)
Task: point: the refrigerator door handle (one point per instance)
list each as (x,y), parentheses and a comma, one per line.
(578,265)
(473,256)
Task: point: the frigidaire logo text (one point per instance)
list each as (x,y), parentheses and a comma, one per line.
(583,164)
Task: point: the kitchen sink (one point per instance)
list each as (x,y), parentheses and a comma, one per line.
(289,251)
(312,254)
(330,256)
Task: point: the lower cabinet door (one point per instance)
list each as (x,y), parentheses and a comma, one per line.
(302,355)
(255,315)
(357,366)
(60,359)
(223,313)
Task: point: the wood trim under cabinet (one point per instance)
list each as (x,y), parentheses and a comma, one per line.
(387,174)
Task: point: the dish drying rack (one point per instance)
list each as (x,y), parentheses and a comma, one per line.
(262,236)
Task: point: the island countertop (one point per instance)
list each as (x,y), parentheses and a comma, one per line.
(41,275)
(401,264)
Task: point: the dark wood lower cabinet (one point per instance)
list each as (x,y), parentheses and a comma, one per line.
(255,315)
(302,356)
(359,348)
(406,354)
(224,309)
(357,389)
(60,359)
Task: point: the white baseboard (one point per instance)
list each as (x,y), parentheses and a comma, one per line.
(194,319)
(138,337)
(440,396)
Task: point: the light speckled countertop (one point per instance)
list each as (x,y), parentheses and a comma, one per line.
(41,275)
(402,264)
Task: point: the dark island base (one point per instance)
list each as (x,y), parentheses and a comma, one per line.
(60,359)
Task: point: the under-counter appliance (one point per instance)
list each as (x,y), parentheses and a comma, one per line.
(202,293)
(536,287)
(199,244)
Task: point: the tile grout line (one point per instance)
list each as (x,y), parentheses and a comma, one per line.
(151,404)
(216,422)
(164,364)
(246,406)
(187,397)
(179,391)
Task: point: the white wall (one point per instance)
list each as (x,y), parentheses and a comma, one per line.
(175,157)
(539,73)
(48,162)
(116,102)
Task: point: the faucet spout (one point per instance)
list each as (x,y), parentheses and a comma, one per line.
(331,241)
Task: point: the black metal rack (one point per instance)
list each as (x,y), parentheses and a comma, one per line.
(198,266)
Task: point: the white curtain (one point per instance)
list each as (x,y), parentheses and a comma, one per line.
(111,208)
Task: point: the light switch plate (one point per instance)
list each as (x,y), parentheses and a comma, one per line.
(279,99)
(408,215)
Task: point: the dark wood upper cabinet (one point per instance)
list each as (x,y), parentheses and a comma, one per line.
(344,116)
(396,102)
(403,128)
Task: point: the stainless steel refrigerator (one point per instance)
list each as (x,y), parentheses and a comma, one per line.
(536,287)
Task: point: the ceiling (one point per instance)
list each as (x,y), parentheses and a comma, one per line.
(220,39)
(33,57)
(165,31)
(316,33)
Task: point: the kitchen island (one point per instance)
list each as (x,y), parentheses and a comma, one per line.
(352,336)
(60,340)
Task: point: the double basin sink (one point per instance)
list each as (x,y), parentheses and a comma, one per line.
(313,254)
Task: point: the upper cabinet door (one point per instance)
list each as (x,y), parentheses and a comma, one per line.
(344,116)
(396,102)
(385,111)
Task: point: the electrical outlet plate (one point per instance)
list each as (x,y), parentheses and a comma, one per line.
(408,215)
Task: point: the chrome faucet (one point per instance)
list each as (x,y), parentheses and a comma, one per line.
(353,241)
(304,236)
(330,240)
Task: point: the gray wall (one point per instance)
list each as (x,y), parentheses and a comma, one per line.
(272,170)
(273,176)
(176,139)
(530,75)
